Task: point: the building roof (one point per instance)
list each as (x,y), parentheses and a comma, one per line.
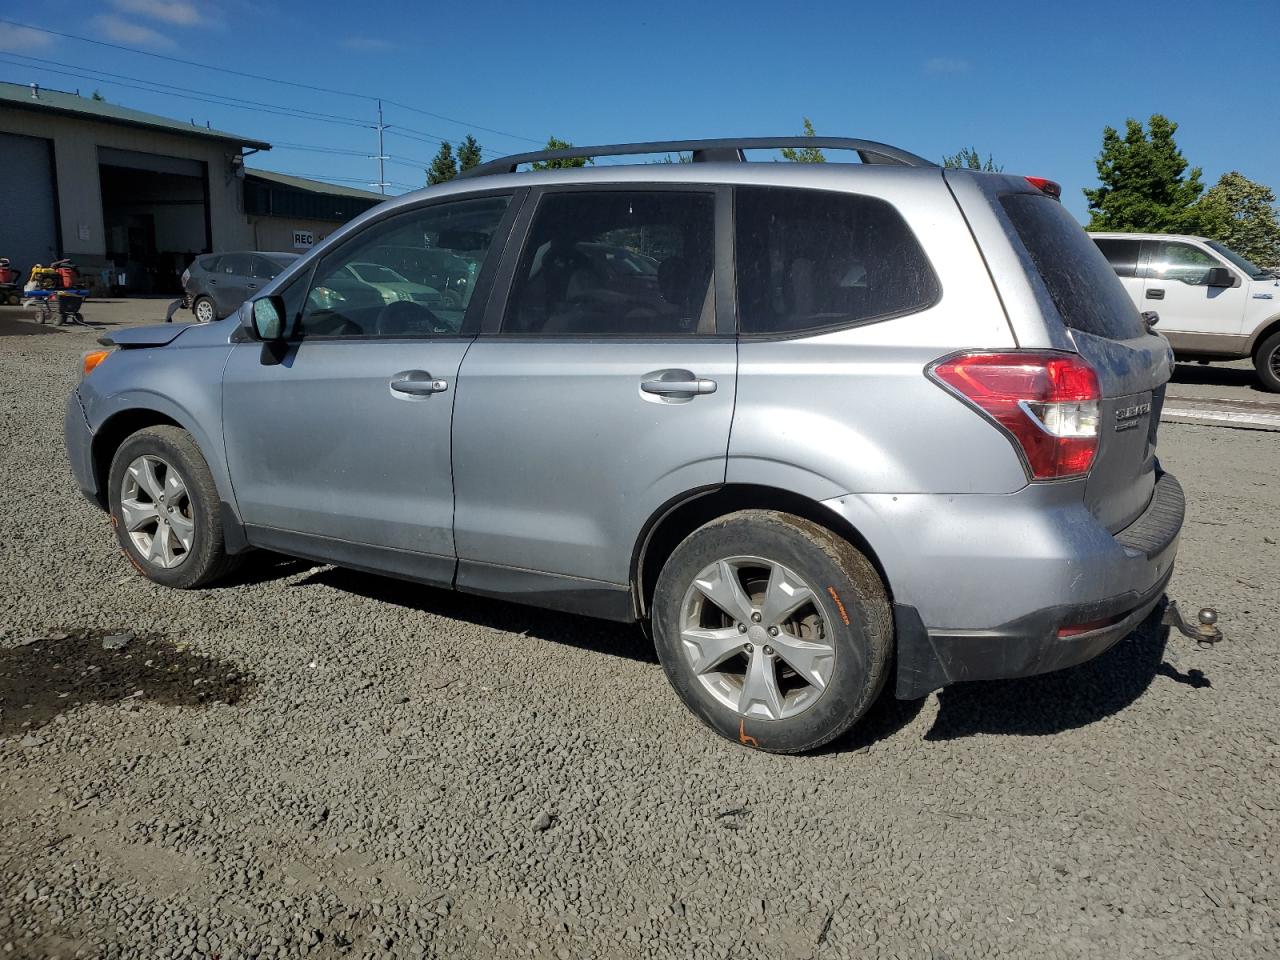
(28,97)
(312,186)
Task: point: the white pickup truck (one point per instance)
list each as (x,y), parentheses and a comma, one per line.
(1213,303)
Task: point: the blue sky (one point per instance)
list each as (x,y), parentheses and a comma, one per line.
(1030,83)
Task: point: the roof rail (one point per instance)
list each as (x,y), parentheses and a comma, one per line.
(730,149)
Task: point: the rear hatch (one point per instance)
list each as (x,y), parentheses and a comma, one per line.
(1132,364)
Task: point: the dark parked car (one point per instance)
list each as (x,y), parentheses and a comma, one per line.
(217,283)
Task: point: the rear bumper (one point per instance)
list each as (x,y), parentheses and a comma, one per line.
(989,587)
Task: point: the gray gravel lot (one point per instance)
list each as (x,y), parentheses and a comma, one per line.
(410,773)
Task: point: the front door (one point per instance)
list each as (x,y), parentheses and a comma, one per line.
(603,389)
(339,446)
(1176,289)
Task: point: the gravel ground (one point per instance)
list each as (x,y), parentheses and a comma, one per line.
(385,770)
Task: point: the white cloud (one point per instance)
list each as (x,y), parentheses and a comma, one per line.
(367,43)
(122,31)
(947,65)
(19,39)
(177,12)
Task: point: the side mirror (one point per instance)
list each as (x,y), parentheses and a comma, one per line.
(1220,277)
(266,318)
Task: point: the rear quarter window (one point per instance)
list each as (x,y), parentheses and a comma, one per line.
(813,260)
(1081,282)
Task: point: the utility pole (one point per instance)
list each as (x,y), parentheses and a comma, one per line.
(382,155)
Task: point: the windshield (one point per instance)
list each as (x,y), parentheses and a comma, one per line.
(1254,271)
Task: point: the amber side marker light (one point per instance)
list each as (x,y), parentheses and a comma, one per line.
(91,360)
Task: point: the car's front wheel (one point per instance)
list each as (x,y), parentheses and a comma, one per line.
(1267,362)
(164,507)
(204,310)
(773,630)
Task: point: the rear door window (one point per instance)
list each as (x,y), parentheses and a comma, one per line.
(1080,281)
(812,260)
(1121,254)
(236,264)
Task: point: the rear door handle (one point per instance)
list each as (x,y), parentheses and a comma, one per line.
(689,386)
(417,383)
(252,286)
(1156,294)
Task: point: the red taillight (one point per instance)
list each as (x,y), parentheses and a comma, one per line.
(1047,187)
(1046,402)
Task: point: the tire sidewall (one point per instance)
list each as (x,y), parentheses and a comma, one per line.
(861,649)
(1262,363)
(203,545)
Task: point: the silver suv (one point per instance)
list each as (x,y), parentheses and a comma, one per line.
(819,427)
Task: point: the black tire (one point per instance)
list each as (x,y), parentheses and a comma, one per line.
(204,302)
(1266,361)
(207,559)
(851,601)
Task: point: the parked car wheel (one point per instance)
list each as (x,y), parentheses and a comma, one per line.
(164,507)
(1267,362)
(204,310)
(774,631)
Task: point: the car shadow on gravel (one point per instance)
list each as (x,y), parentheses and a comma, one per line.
(1066,699)
(584,633)
(51,673)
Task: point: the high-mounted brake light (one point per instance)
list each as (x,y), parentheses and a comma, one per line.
(1047,403)
(1047,187)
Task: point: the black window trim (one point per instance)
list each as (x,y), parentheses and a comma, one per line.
(484,282)
(722,239)
(823,329)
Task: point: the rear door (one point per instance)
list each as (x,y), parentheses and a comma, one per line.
(339,446)
(1177,288)
(591,401)
(1124,255)
(1132,364)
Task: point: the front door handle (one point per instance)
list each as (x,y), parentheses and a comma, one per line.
(417,383)
(1155,294)
(687,386)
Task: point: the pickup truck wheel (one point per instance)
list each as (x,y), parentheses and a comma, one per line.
(164,507)
(204,310)
(1267,362)
(773,630)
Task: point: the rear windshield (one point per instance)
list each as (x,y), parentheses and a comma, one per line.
(1083,285)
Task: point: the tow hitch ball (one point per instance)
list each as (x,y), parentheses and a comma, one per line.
(1205,631)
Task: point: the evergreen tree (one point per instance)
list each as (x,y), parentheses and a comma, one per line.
(805,154)
(1143,187)
(468,153)
(443,168)
(969,159)
(1241,214)
(555,143)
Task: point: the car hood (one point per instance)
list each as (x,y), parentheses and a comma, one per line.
(150,336)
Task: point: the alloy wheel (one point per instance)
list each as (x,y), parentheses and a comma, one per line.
(156,511)
(753,633)
(204,311)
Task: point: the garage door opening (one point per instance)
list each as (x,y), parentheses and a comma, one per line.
(155,213)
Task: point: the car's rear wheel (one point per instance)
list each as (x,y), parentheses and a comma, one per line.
(204,310)
(164,507)
(773,630)
(1267,362)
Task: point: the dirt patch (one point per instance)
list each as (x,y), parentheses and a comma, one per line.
(44,676)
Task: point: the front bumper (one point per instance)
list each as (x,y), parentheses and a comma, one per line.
(78,439)
(998,587)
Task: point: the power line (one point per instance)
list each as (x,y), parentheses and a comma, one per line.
(463,123)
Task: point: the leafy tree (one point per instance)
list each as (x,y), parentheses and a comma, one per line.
(1143,186)
(555,143)
(1241,214)
(969,159)
(468,153)
(443,168)
(805,154)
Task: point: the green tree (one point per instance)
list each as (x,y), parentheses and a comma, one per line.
(1241,214)
(805,154)
(1145,185)
(555,143)
(468,153)
(970,159)
(443,168)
